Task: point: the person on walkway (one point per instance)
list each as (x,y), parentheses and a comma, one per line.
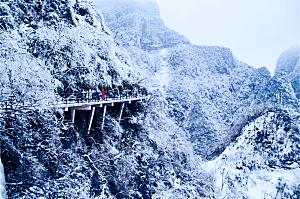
(135,91)
(102,94)
(90,94)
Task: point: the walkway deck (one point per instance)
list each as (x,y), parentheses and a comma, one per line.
(100,103)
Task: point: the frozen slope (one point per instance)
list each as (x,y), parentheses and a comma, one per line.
(264,160)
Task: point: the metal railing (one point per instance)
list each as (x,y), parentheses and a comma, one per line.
(95,96)
(11,102)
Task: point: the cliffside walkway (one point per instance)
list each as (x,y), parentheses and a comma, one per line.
(83,101)
(89,101)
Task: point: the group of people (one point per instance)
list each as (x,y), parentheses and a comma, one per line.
(103,94)
(94,95)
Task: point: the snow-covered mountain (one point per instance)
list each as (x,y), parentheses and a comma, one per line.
(206,88)
(288,62)
(201,97)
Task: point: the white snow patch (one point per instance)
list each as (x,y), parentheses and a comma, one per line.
(2,182)
(163,75)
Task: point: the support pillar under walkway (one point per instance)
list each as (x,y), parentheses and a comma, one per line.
(122,108)
(103,119)
(91,119)
(73,115)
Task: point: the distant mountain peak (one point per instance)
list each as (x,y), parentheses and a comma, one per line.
(288,62)
(288,66)
(138,23)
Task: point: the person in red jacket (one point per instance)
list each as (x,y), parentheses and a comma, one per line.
(102,94)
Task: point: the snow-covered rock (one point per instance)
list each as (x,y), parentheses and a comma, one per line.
(264,160)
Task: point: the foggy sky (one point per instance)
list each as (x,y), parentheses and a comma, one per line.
(257,31)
